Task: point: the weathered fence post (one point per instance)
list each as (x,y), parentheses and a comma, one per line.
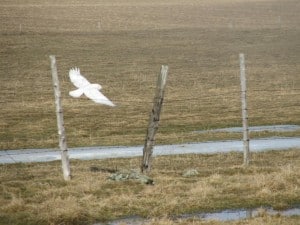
(154,119)
(244,109)
(60,121)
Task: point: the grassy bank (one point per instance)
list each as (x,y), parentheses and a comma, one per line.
(37,194)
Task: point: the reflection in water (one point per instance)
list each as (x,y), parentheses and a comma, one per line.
(240,214)
(225,215)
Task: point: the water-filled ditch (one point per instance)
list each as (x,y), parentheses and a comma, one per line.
(225,215)
(271,128)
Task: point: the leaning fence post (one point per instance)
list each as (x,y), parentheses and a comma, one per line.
(60,121)
(244,109)
(154,119)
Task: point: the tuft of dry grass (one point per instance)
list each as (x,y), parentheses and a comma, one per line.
(38,192)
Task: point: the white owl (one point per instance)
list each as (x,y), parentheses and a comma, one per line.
(92,91)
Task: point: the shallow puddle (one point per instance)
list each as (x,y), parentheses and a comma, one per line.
(273,128)
(226,215)
(240,214)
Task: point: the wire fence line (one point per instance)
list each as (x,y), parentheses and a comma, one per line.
(190,98)
(136,123)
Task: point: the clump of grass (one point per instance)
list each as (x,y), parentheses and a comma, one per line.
(38,192)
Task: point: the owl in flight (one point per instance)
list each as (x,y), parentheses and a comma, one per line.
(92,91)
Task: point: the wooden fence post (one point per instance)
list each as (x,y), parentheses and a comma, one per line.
(60,121)
(244,109)
(154,119)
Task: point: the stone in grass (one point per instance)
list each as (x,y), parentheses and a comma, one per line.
(131,175)
(190,173)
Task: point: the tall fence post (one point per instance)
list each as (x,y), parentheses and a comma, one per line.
(244,109)
(154,119)
(60,121)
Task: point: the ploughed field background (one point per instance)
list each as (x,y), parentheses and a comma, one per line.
(122,45)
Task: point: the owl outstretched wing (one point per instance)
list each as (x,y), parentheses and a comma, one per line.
(77,79)
(96,96)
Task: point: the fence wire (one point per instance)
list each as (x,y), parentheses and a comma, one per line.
(132,121)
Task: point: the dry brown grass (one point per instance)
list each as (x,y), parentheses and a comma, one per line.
(37,194)
(199,40)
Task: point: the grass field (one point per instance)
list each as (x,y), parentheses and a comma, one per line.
(122,44)
(30,194)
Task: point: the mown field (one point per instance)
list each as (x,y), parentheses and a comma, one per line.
(122,45)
